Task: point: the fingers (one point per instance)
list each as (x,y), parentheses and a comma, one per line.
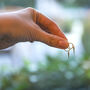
(56,41)
(48,25)
(49,39)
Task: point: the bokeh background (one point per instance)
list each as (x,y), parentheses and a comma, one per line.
(36,66)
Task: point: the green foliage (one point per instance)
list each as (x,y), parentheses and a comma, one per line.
(57,72)
(23,3)
(86,36)
(85,3)
(75,3)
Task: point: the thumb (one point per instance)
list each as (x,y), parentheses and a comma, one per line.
(50,39)
(54,41)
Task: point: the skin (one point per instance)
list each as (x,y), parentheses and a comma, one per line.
(29,25)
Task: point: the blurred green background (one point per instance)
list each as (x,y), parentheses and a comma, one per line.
(52,71)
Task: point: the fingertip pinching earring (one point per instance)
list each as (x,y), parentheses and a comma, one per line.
(69,48)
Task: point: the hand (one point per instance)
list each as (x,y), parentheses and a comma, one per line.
(29,25)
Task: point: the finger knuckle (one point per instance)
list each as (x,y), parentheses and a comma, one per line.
(29,9)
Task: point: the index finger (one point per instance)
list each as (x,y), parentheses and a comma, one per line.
(49,25)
